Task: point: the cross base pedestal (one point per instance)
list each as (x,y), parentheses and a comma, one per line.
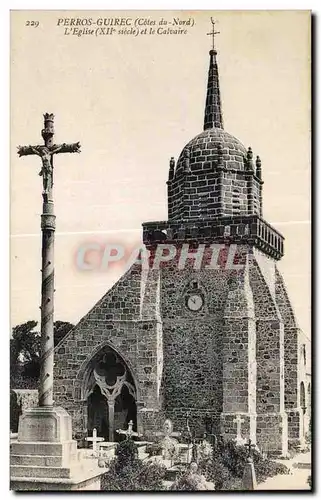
(45,456)
(249,477)
(49,424)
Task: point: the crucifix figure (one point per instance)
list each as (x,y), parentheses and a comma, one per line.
(129,433)
(239,421)
(213,33)
(48,224)
(94,439)
(46,153)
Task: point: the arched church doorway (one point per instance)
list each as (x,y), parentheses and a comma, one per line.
(111,398)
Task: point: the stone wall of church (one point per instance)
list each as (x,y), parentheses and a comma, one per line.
(233,356)
(193,342)
(235,194)
(272,431)
(295,366)
(291,345)
(239,364)
(115,321)
(208,194)
(256,193)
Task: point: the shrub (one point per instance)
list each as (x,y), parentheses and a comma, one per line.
(215,472)
(135,477)
(265,468)
(126,454)
(234,458)
(226,467)
(232,484)
(185,483)
(151,477)
(128,473)
(294,447)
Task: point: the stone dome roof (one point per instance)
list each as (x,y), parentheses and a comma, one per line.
(214,145)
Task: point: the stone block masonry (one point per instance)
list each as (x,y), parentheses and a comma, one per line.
(213,178)
(223,360)
(217,344)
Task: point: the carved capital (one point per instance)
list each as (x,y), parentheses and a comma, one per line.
(48,221)
(49,117)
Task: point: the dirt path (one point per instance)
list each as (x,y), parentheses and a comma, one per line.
(296,480)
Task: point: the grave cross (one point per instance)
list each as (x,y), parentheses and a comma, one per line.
(249,476)
(212,439)
(129,433)
(48,225)
(168,443)
(239,421)
(209,430)
(251,447)
(213,33)
(168,431)
(95,439)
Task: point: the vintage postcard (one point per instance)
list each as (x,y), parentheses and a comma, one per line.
(160,250)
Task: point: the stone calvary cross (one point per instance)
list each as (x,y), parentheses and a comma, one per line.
(129,433)
(48,224)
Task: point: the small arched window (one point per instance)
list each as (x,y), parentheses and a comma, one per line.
(302,396)
(304,354)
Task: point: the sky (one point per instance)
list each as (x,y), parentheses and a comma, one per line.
(133,102)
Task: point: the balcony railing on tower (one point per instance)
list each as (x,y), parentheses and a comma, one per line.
(252,230)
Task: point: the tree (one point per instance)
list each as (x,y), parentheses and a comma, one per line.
(26,342)
(25,352)
(61,328)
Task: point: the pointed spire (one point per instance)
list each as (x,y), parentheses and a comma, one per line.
(213,110)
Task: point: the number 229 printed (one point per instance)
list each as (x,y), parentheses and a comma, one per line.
(33,24)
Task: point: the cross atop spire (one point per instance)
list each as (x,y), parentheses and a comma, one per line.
(213,33)
(213,110)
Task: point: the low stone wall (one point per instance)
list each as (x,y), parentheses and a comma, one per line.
(20,400)
(28,398)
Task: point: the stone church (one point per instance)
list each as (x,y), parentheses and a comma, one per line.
(207,343)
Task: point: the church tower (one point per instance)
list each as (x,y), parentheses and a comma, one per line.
(229,334)
(205,330)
